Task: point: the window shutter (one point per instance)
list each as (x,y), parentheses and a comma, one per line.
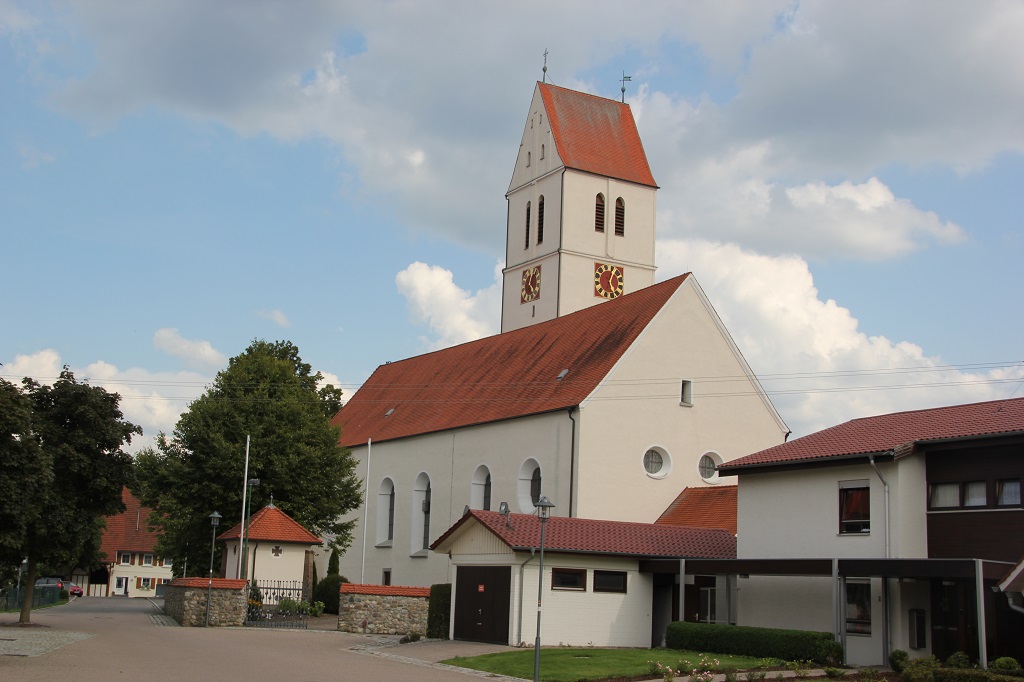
(620,218)
(138,582)
(599,213)
(132,559)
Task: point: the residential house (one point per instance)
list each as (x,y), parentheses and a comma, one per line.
(899,531)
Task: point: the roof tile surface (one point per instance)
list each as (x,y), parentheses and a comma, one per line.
(128,532)
(273,525)
(575,535)
(500,377)
(890,431)
(596,135)
(706,507)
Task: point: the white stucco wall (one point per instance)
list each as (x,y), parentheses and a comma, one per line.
(133,572)
(264,564)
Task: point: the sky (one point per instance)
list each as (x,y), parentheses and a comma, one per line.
(181,177)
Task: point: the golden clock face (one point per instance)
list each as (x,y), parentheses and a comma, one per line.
(608,280)
(530,290)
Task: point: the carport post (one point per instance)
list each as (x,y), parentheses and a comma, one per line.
(979,582)
(835,599)
(682,589)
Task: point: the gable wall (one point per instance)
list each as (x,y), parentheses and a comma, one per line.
(640,408)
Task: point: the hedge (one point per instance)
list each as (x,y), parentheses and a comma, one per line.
(971,675)
(789,645)
(439,611)
(328,591)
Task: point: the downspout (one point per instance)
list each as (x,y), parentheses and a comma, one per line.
(522,567)
(1012,602)
(886,645)
(572,461)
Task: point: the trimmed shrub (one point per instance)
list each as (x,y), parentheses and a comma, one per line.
(327,591)
(791,645)
(332,563)
(920,670)
(958,660)
(439,611)
(970,675)
(898,658)
(1004,663)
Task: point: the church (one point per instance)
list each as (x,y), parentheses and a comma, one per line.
(606,392)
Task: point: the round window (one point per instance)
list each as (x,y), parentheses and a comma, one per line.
(707,467)
(653,462)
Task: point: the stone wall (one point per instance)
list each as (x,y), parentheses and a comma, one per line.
(383,609)
(185,601)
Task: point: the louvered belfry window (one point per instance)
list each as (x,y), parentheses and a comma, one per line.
(527,244)
(599,213)
(540,220)
(620,218)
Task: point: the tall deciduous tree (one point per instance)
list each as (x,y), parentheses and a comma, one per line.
(270,395)
(66,471)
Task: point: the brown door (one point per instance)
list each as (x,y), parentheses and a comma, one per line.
(481,603)
(953,618)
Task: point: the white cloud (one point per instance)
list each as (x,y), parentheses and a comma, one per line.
(452,314)
(277,317)
(195,354)
(785,331)
(33,157)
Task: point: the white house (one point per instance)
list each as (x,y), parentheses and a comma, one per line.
(609,410)
(893,532)
(604,582)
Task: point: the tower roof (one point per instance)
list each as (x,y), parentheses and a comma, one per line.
(596,135)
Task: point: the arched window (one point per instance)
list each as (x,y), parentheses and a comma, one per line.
(386,512)
(540,219)
(527,244)
(529,486)
(420,535)
(620,218)
(480,489)
(599,213)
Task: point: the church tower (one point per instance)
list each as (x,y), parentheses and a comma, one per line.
(581,209)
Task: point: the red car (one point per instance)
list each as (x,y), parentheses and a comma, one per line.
(73,589)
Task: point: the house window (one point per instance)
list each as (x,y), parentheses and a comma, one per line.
(599,213)
(542,151)
(686,393)
(420,540)
(386,512)
(569,579)
(480,489)
(527,245)
(653,462)
(147,583)
(385,577)
(1008,493)
(975,494)
(620,218)
(610,581)
(707,466)
(126,558)
(854,507)
(540,220)
(426,517)
(527,159)
(529,486)
(944,496)
(147,560)
(858,608)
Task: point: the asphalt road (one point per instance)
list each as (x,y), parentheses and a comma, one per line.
(103,639)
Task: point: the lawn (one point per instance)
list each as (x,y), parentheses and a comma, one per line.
(571,665)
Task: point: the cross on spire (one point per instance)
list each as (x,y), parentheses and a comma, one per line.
(544,77)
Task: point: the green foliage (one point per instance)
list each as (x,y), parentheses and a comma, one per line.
(833,673)
(920,670)
(971,675)
(332,563)
(958,660)
(793,645)
(898,658)
(315,579)
(439,611)
(1004,663)
(270,395)
(327,591)
(62,469)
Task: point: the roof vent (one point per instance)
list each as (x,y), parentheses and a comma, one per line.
(389,413)
(561,375)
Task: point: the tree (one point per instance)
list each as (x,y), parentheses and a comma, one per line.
(270,395)
(333,563)
(63,470)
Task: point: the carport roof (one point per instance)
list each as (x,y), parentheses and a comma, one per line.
(589,536)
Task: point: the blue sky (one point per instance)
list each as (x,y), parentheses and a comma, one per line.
(179,178)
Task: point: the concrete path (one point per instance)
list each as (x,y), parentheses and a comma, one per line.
(102,639)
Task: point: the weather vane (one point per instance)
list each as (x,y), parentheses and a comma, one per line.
(625,79)
(544,76)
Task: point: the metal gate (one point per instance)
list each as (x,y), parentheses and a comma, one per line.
(276,604)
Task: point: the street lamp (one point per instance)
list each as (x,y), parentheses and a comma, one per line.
(543,506)
(253,482)
(214,521)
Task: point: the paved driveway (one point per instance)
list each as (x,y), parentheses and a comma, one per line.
(100,639)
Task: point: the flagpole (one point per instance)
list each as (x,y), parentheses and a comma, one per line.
(245,489)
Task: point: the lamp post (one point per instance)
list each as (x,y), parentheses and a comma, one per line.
(214,521)
(253,482)
(543,506)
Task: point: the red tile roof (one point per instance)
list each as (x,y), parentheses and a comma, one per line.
(128,532)
(385,590)
(708,507)
(888,432)
(596,135)
(501,377)
(587,536)
(273,525)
